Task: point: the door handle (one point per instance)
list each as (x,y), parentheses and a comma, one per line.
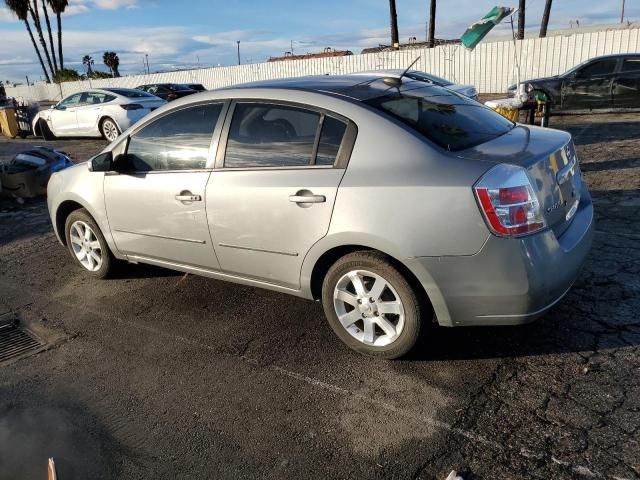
(306,196)
(188,197)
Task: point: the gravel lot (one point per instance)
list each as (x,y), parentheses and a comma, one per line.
(156,374)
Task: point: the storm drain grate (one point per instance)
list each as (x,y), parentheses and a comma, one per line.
(14,342)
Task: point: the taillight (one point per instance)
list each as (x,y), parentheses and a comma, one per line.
(509,204)
(131,106)
(172,96)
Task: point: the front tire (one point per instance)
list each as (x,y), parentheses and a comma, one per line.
(45,131)
(371,306)
(109,129)
(87,245)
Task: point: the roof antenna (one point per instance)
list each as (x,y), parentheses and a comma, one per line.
(397,81)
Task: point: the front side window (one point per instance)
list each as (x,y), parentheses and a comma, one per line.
(448,119)
(95,98)
(600,67)
(266,135)
(71,101)
(177,141)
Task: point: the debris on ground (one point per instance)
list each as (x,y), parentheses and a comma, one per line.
(454,476)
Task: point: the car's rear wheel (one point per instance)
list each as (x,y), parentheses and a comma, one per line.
(109,129)
(87,244)
(371,306)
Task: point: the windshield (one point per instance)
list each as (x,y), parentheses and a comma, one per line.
(427,77)
(176,87)
(448,119)
(128,93)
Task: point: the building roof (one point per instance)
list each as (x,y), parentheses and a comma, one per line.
(411,45)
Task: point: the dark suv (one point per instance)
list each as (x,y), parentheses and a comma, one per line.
(610,81)
(167,91)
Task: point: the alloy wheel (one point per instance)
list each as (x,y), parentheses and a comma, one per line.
(369,308)
(86,246)
(110,130)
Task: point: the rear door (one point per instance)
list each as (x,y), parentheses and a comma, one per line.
(272,193)
(88,112)
(591,86)
(626,86)
(156,205)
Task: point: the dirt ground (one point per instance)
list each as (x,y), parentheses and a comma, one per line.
(155,374)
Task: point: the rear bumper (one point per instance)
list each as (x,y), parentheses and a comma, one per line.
(510,281)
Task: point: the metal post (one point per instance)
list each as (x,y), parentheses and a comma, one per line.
(146,55)
(238,52)
(622,14)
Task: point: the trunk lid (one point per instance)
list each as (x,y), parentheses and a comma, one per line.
(549,156)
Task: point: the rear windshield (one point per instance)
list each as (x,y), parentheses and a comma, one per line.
(446,118)
(176,87)
(129,93)
(428,77)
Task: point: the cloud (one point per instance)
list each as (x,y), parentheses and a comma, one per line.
(115,4)
(7,15)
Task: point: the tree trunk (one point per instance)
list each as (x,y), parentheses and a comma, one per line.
(545,19)
(431,35)
(51,44)
(35,46)
(36,21)
(59,18)
(395,42)
(521,12)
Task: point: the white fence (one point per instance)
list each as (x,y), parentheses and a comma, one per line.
(490,67)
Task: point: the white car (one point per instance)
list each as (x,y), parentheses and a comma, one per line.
(105,112)
(466,90)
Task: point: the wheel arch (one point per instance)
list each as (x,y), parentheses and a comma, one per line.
(62,212)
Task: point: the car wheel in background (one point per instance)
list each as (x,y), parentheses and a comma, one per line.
(87,244)
(371,306)
(45,131)
(109,129)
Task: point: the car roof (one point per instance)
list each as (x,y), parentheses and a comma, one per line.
(358,87)
(616,55)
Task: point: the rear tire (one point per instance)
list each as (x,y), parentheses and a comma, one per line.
(371,306)
(87,245)
(109,129)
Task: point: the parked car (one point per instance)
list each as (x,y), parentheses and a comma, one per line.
(27,174)
(167,91)
(610,81)
(393,206)
(93,113)
(198,87)
(466,90)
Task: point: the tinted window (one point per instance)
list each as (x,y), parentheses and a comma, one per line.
(263,135)
(72,100)
(130,93)
(177,141)
(631,65)
(601,67)
(95,98)
(446,118)
(176,88)
(330,140)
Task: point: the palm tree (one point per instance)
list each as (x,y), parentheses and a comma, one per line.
(53,48)
(88,61)
(432,25)
(21,9)
(111,60)
(395,42)
(545,19)
(521,10)
(35,16)
(58,7)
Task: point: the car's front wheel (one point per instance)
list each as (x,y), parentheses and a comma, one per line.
(371,306)
(87,244)
(109,129)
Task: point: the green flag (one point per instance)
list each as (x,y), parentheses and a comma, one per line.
(476,32)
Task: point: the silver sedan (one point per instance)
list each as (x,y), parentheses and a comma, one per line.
(395,203)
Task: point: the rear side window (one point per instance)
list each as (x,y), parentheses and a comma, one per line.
(176,141)
(330,140)
(600,67)
(444,117)
(265,135)
(631,65)
(138,93)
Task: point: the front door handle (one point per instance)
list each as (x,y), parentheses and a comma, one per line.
(305,198)
(187,196)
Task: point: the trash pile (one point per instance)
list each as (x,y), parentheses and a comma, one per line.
(27,174)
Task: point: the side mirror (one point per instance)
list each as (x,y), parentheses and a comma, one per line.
(60,107)
(102,163)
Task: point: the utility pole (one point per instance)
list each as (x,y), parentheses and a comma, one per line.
(146,56)
(292,48)
(521,11)
(545,18)
(395,42)
(431,32)
(238,52)
(622,14)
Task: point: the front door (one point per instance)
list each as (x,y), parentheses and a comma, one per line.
(273,196)
(590,87)
(88,112)
(156,201)
(63,116)
(626,85)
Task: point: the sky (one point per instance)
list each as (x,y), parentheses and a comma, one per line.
(188,34)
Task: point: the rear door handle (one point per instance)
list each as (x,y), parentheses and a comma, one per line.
(306,196)
(188,197)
